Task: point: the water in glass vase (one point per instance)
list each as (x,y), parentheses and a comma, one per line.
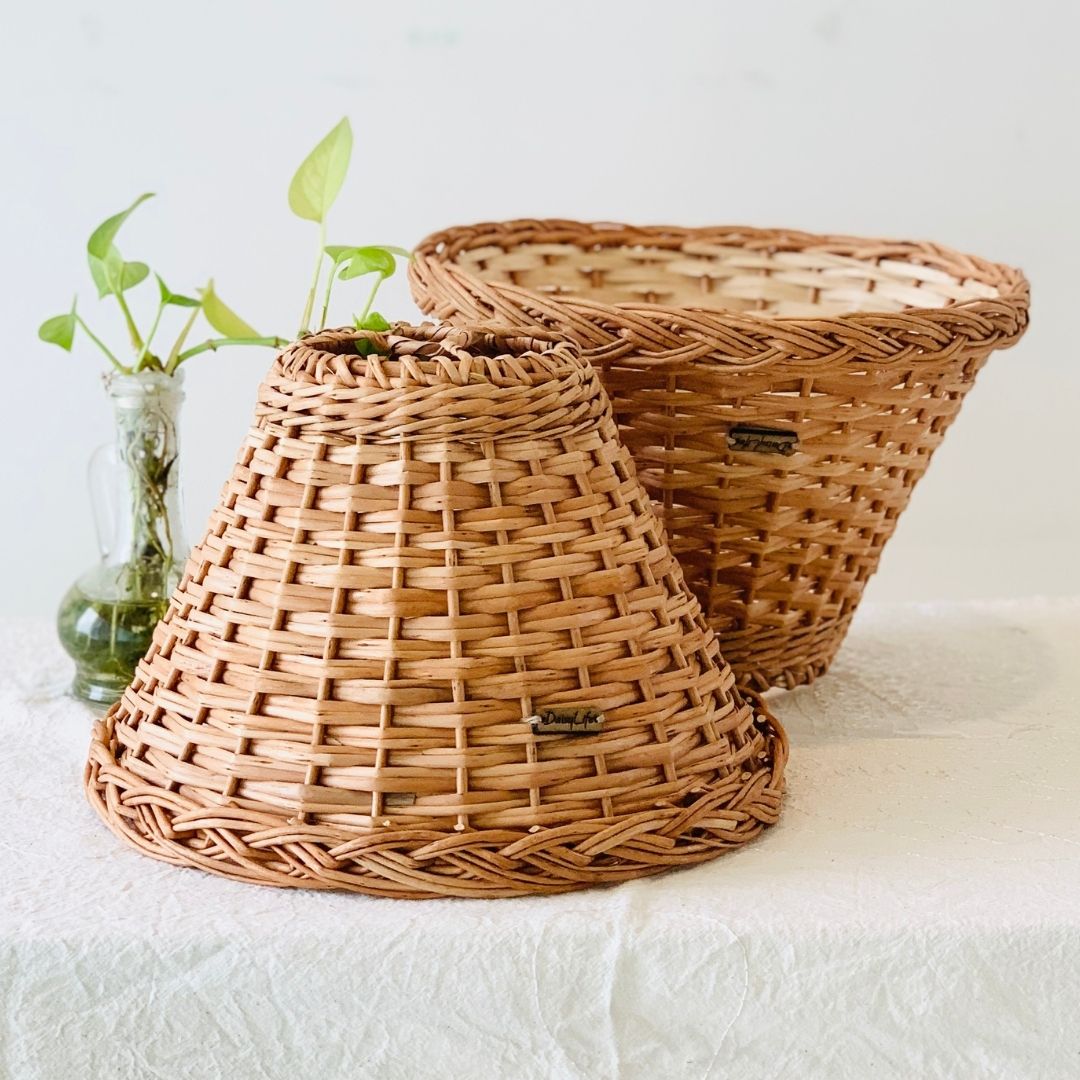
(106,638)
(106,621)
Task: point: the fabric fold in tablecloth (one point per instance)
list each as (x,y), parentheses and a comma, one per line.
(916,912)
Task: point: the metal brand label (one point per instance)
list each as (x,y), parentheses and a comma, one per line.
(555,721)
(761,440)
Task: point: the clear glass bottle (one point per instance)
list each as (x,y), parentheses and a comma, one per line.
(108,616)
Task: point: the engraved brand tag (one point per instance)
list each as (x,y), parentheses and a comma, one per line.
(760,440)
(583,721)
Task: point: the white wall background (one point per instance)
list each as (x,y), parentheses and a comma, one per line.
(952,121)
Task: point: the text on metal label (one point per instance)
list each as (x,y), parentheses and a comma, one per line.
(760,440)
(582,721)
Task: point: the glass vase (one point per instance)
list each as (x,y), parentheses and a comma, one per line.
(108,616)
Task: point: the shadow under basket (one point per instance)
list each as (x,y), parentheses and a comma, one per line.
(433,643)
(781,393)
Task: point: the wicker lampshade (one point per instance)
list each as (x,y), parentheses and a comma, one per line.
(433,643)
(782,393)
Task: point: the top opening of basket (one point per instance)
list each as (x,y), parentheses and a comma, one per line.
(776,273)
(431,383)
(430,355)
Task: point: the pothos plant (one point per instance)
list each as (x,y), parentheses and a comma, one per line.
(311,194)
(313,190)
(129,597)
(115,278)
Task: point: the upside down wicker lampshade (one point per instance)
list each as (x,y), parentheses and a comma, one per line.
(434,644)
(780,392)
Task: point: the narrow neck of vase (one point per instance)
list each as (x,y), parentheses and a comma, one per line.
(147,520)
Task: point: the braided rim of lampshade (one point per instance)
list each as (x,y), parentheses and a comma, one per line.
(344,690)
(437,382)
(989,309)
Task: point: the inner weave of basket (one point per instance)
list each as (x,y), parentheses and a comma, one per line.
(709,275)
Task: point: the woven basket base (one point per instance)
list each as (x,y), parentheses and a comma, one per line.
(764,657)
(404,863)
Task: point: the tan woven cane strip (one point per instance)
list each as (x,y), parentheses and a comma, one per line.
(390,667)
(338,598)
(513,625)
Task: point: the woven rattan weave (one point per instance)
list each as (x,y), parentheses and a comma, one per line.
(429,571)
(853,355)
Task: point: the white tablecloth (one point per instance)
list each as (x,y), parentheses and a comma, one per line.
(916,914)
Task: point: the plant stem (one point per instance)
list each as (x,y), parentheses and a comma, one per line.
(133,330)
(150,337)
(174,353)
(213,344)
(102,346)
(371,297)
(310,305)
(326,297)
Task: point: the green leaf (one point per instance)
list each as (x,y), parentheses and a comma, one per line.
(374,321)
(222,318)
(132,274)
(101,239)
(59,330)
(101,278)
(175,299)
(112,274)
(318,180)
(369,260)
(106,270)
(338,253)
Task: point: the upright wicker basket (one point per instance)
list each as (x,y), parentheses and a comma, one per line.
(780,392)
(433,644)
